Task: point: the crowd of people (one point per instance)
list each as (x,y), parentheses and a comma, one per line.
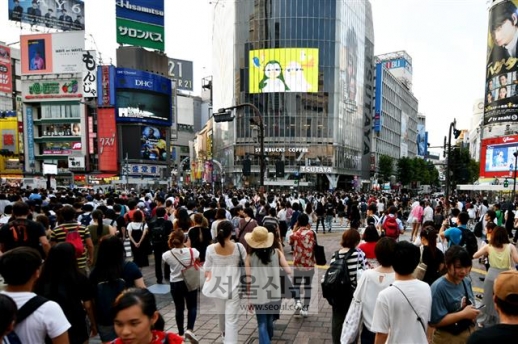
(90,288)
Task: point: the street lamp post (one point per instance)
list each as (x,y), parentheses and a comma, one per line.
(514,176)
(260,123)
(448,162)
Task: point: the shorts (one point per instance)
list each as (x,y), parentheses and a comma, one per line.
(106,333)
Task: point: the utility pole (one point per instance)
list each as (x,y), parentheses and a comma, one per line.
(452,130)
(514,177)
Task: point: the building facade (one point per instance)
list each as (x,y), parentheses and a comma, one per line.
(303,65)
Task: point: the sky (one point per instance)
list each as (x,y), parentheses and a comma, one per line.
(445,38)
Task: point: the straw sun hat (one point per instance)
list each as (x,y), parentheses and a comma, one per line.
(259,238)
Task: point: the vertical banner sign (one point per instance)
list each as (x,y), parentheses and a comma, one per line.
(89,74)
(6,82)
(106,86)
(377,98)
(91,135)
(30,134)
(107,140)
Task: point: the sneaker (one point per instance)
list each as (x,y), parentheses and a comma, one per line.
(304,312)
(298,308)
(191,337)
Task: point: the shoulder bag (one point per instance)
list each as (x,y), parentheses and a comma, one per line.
(462,325)
(418,317)
(193,275)
(352,324)
(320,253)
(421,268)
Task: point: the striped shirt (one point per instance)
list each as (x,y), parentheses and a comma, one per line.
(59,235)
(355,264)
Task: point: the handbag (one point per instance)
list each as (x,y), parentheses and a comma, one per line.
(319,252)
(421,268)
(242,273)
(417,314)
(193,274)
(462,325)
(352,323)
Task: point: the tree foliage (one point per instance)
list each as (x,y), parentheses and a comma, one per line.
(385,167)
(417,170)
(463,169)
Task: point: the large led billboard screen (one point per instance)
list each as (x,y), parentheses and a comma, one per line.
(54,53)
(501,95)
(142,97)
(153,143)
(496,158)
(51,14)
(283,70)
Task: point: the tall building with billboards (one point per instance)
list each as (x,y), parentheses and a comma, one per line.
(307,66)
(395,109)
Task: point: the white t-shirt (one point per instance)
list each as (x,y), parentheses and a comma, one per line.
(369,286)
(48,319)
(184,255)
(394,315)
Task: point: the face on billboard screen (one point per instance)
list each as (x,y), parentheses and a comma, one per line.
(153,144)
(6,83)
(497,156)
(52,14)
(501,89)
(283,70)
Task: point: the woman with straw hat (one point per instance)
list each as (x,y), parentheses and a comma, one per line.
(264,293)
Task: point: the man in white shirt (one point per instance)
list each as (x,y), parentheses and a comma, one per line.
(20,268)
(403,310)
(427,212)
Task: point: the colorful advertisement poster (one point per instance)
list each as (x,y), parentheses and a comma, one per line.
(142,97)
(501,92)
(283,70)
(497,159)
(61,148)
(53,14)
(107,140)
(89,74)
(141,23)
(6,82)
(153,141)
(49,90)
(422,140)
(52,53)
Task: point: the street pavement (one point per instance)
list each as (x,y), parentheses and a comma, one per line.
(290,328)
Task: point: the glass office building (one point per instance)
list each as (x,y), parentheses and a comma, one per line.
(308,67)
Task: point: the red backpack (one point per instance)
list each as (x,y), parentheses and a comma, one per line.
(391,227)
(72,236)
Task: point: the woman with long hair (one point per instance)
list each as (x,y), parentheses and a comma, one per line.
(178,258)
(110,276)
(263,264)
(98,230)
(431,255)
(199,235)
(137,232)
(246,225)
(137,321)
(502,256)
(221,215)
(182,220)
(61,281)
(222,263)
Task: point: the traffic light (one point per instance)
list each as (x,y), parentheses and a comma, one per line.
(279,169)
(247,167)
(506,183)
(223,116)
(456,133)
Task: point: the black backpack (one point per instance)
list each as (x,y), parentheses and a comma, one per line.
(23,313)
(158,232)
(336,285)
(469,241)
(86,219)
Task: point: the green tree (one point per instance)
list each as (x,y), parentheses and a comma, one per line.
(385,167)
(463,169)
(405,170)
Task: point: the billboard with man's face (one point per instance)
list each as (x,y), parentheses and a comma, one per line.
(52,14)
(283,70)
(501,91)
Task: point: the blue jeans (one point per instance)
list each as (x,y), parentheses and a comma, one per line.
(181,296)
(329,222)
(264,326)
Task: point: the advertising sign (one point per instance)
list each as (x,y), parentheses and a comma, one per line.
(144,170)
(61,148)
(29,122)
(422,140)
(182,72)
(283,70)
(142,97)
(141,23)
(53,14)
(107,140)
(153,141)
(76,163)
(89,74)
(6,82)
(377,98)
(501,95)
(35,91)
(497,159)
(106,86)
(52,53)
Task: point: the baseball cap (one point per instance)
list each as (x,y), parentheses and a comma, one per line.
(506,285)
